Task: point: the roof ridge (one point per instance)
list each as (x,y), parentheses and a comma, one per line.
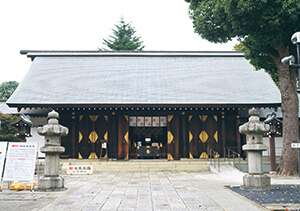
(85,53)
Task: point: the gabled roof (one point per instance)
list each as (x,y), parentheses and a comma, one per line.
(99,78)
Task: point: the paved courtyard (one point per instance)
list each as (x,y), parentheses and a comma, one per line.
(133,191)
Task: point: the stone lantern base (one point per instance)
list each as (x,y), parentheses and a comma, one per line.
(259,181)
(51,183)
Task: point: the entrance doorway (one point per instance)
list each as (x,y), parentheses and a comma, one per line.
(147,140)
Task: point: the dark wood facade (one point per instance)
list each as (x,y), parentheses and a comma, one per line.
(189,134)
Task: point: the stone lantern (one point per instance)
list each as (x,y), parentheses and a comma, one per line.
(51,181)
(254,130)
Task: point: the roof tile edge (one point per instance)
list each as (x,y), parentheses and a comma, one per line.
(40,53)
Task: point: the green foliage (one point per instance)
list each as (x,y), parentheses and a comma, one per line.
(124,38)
(261,61)
(7,131)
(6,89)
(262,26)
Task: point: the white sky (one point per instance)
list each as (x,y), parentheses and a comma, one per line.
(82,24)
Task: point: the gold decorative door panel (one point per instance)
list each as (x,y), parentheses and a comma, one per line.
(203,135)
(93,136)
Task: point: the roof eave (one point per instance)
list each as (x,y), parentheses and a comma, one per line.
(102,105)
(37,53)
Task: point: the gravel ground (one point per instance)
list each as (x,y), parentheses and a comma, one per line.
(277,194)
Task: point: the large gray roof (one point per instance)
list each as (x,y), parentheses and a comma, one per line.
(143,78)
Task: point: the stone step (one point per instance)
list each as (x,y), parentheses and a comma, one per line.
(132,165)
(141,165)
(241,164)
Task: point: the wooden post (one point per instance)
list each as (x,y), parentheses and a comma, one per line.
(183,139)
(173,137)
(74,135)
(113,137)
(177,126)
(123,137)
(223,132)
(238,136)
(272,152)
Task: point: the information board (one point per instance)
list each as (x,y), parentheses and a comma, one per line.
(295,145)
(20,162)
(3,146)
(79,169)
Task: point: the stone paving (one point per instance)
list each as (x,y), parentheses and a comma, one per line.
(133,191)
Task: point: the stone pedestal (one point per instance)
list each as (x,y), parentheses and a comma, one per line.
(254,130)
(51,181)
(257,181)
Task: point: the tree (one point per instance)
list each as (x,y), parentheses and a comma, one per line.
(8,132)
(124,38)
(6,89)
(264,28)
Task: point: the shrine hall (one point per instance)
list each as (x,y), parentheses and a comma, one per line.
(146,105)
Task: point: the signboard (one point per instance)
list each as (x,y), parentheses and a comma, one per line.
(155,121)
(148,121)
(132,121)
(295,145)
(20,162)
(163,121)
(79,169)
(3,146)
(140,122)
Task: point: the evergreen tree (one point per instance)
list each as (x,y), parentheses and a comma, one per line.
(8,132)
(124,38)
(6,89)
(264,28)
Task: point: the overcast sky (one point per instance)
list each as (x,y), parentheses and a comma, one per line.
(81,25)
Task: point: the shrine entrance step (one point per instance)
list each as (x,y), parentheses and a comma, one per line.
(140,165)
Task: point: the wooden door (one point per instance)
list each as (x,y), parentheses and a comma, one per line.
(173,137)
(93,131)
(203,135)
(123,137)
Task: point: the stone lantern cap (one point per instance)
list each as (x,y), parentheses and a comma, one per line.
(53,128)
(254,125)
(53,115)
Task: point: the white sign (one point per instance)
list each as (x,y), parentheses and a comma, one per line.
(79,169)
(295,145)
(20,162)
(3,146)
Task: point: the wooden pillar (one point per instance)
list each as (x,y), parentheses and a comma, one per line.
(113,144)
(177,143)
(272,152)
(74,135)
(238,135)
(68,142)
(173,137)
(223,132)
(184,139)
(123,137)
